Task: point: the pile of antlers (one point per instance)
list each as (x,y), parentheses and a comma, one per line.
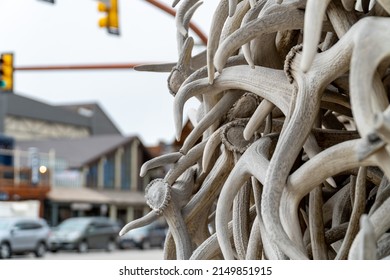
(288,158)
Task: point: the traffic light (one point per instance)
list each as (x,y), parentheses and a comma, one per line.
(6,71)
(111,19)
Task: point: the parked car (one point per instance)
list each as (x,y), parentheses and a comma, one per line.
(84,233)
(152,235)
(23,235)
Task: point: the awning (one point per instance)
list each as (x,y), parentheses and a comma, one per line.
(66,194)
(86,195)
(124,197)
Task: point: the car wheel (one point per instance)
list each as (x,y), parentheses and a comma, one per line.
(40,251)
(82,247)
(111,246)
(146,245)
(5,251)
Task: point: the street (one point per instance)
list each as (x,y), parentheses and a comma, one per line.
(132,254)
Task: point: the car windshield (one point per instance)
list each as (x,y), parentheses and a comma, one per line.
(4,224)
(73,224)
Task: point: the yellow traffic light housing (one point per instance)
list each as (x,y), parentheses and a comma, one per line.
(111,20)
(6,72)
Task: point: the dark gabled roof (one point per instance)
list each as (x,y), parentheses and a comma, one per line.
(17,105)
(100,122)
(145,153)
(77,151)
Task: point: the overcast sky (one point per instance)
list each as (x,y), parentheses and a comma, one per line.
(67,33)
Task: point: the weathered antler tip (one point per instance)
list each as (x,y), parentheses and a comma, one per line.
(175,3)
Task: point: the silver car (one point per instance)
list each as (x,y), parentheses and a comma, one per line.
(23,235)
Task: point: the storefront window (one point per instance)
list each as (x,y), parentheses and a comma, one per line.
(92,175)
(109,172)
(126,168)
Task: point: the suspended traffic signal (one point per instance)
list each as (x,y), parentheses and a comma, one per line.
(6,71)
(111,20)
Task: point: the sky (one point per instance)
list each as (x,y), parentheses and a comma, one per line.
(67,33)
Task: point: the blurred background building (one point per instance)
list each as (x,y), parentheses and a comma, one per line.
(70,160)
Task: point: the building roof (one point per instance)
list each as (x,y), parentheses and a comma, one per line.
(77,151)
(17,105)
(21,106)
(100,121)
(145,153)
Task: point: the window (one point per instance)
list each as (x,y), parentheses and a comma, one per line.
(138,213)
(92,175)
(126,168)
(139,182)
(27,226)
(109,172)
(33,225)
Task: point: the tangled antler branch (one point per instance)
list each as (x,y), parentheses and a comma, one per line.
(294,125)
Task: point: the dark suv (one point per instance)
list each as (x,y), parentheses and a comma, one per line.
(152,235)
(84,233)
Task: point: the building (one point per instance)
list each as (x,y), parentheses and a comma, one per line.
(115,174)
(25,118)
(20,178)
(72,159)
(97,175)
